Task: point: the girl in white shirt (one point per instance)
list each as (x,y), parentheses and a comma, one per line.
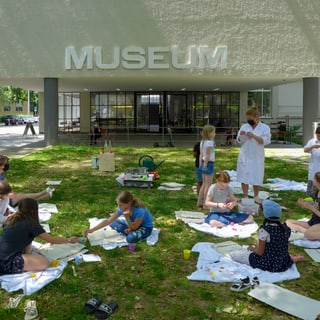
(206,160)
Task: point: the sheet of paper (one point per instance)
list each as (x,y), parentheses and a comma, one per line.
(91,257)
(53,183)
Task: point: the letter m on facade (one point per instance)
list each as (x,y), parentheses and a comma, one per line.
(71,56)
(214,61)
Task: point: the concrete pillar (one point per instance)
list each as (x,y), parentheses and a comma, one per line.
(85,112)
(41,112)
(51,111)
(310,107)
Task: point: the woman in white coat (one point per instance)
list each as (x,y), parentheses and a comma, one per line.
(313,147)
(252,137)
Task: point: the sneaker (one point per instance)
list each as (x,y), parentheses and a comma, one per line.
(241,285)
(31,311)
(257,200)
(255,282)
(50,191)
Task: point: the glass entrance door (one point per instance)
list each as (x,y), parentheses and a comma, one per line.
(149,112)
(178,114)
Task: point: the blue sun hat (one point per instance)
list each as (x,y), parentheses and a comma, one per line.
(271,210)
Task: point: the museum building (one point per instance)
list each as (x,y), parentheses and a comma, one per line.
(146,66)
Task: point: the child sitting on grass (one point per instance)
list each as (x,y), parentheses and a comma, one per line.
(271,253)
(138,222)
(221,201)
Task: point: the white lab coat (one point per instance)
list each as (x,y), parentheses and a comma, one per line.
(314,164)
(250,166)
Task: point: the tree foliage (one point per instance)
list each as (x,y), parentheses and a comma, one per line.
(11,95)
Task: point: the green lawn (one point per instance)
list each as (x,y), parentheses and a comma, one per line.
(150,283)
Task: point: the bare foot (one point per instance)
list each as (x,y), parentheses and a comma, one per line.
(216,224)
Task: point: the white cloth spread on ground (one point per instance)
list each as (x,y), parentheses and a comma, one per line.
(196,221)
(31,282)
(305,243)
(275,184)
(113,238)
(217,267)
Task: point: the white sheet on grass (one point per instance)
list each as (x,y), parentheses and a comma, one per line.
(236,230)
(216,267)
(31,282)
(274,184)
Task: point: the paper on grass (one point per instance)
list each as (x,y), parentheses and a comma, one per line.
(105,236)
(48,207)
(91,257)
(285,300)
(53,182)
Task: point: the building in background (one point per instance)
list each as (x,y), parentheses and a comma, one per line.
(148,65)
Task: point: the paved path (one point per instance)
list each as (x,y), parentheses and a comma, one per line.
(14,144)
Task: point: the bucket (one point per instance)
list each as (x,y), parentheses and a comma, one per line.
(94,163)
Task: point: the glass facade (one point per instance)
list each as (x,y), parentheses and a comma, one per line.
(69,111)
(154,112)
(261,98)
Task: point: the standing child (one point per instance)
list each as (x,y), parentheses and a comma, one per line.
(206,161)
(196,155)
(271,253)
(138,222)
(221,201)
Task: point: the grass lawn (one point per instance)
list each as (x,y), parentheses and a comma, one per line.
(150,283)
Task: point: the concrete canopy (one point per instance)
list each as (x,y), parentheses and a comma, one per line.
(269,43)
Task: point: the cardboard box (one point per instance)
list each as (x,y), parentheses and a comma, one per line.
(106,162)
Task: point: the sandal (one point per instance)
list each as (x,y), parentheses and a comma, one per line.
(30,310)
(14,301)
(241,285)
(92,304)
(105,310)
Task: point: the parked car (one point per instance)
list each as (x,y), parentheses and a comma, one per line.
(12,120)
(28,119)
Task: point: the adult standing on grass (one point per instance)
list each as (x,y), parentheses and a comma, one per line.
(313,147)
(252,137)
(19,231)
(310,228)
(137,224)
(206,159)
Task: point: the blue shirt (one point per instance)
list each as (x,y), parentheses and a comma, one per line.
(138,213)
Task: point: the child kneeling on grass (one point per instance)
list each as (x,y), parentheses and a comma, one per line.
(138,222)
(221,201)
(271,253)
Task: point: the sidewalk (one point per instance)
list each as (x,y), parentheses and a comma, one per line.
(14,144)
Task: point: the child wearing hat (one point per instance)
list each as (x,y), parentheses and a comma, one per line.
(271,253)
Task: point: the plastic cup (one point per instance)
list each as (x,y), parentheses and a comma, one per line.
(186,254)
(132,247)
(78,260)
